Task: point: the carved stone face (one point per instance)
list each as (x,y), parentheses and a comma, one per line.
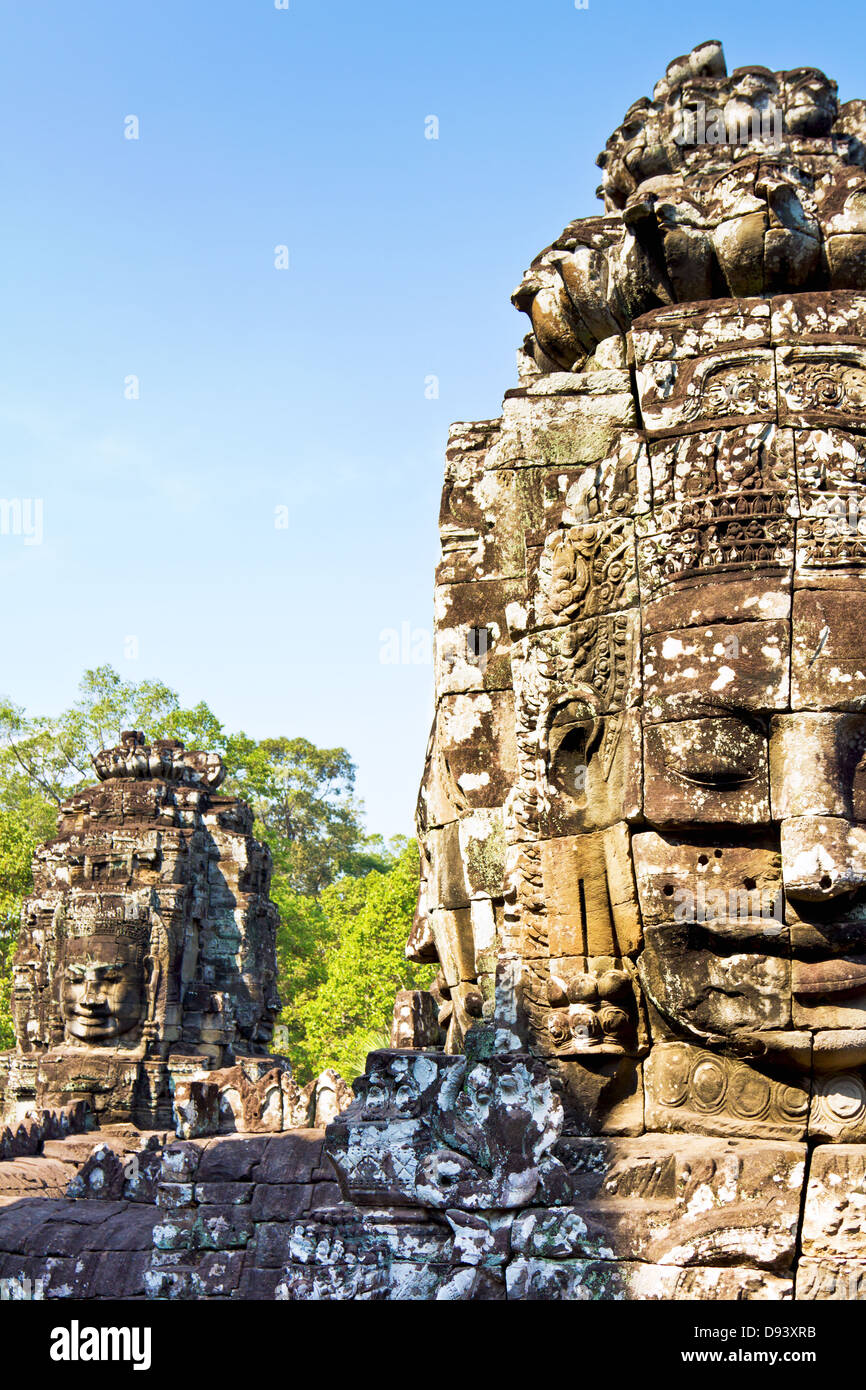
(752,883)
(750,860)
(811,102)
(695,680)
(103,989)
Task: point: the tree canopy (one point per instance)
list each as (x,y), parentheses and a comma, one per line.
(17,843)
(367,919)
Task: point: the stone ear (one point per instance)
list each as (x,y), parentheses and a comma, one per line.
(152,982)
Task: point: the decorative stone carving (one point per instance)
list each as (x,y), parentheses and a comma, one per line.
(695,1091)
(379,1140)
(497,1120)
(720,186)
(470,1132)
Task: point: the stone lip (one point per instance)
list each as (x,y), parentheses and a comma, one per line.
(833,1048)
(819,1050)
(767,930)
(818,978)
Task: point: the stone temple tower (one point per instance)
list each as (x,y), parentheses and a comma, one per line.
(643,810)
(147,949)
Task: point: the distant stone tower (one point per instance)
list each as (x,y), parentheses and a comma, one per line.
(147,950)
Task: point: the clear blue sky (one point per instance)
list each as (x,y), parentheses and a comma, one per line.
(302,388)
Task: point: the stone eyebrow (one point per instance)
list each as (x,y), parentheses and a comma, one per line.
(707,709)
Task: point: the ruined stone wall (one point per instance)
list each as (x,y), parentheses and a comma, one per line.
(262,1218)
(200,1218)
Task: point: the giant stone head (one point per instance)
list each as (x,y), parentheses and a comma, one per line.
(643,814)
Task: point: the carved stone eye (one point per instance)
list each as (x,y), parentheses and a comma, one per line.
(713,752)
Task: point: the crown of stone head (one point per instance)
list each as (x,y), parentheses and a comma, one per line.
(698,106)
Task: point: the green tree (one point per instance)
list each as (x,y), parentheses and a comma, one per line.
(368,921)
(305,939)
(42,759)
(304,804)
(17,843)
(302,796)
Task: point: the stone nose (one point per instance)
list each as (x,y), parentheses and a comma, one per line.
(823,857)
(93,995)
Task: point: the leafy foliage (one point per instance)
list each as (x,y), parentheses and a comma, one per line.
(303,802)
(42,759)
(17,844)
(368,921)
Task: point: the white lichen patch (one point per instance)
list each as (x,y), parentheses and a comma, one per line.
(473,781)
(702,1200)
(724,678)
(465,718)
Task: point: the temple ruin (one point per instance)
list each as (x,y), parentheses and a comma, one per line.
(639,1073)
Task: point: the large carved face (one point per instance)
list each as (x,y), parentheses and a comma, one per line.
(752,881)
(683,782)
(693,684)
(734,742)
(103,989)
